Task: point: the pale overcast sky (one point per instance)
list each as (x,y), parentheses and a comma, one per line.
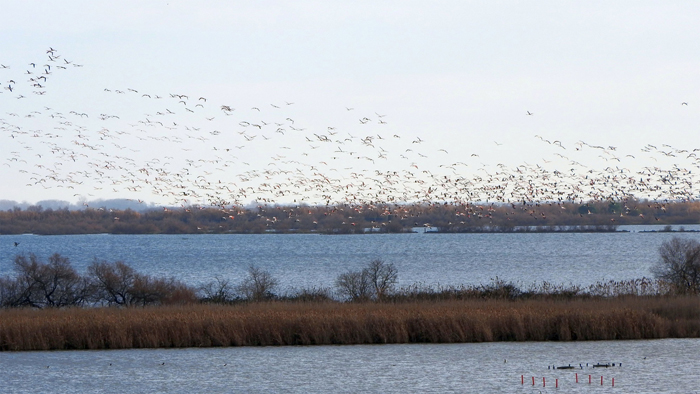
(458,76)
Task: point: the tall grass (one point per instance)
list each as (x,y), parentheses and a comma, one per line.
(322,323)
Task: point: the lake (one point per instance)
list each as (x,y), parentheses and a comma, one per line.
(313,260)
(651,366)
(307,260)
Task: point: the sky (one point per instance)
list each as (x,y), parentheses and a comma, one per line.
(443,90)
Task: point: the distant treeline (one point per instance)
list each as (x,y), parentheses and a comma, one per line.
(349,219)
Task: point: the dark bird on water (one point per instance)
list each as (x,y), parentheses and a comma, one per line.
(16,244)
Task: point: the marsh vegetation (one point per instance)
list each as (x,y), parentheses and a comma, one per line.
(48,305)
(318,323)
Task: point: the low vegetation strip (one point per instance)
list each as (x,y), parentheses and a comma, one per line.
(591,216)
(280,323)
(50,306)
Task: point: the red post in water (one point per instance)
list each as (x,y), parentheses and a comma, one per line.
(589,379)
(613,382)
(533,380)
(576,377)
(601,380)
(556,383)
(522,379)
(543,381)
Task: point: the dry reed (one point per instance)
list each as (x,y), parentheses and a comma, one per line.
(325,323)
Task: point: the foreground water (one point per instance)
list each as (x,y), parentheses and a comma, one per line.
(308,260)
(651,366)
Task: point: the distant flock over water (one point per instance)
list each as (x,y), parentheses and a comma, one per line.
(185,149)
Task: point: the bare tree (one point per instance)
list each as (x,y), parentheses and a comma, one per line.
(148,290)
(382,277)
(679,264)
(119,284)
(51,284)
(218,291)
(112,281)
(354,285)
(259,285)
(375,281)
(10,292)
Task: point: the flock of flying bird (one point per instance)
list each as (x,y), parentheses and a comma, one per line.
(183,149)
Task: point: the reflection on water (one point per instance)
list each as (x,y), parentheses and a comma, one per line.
(651,366)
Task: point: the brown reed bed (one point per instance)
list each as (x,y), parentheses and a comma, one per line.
(326,323)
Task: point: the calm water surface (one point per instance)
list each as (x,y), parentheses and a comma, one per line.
(307,260)
(652,366)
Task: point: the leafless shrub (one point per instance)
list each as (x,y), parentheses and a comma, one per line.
(375,281)
(354,285)
(51,284)
(500,289)
(10,292)
(218,291)
(642,287)
(119,284)
(112,282)
(382,276)
(259,285)
(679,264)
(313,294)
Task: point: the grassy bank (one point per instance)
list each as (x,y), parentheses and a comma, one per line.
(322,323)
